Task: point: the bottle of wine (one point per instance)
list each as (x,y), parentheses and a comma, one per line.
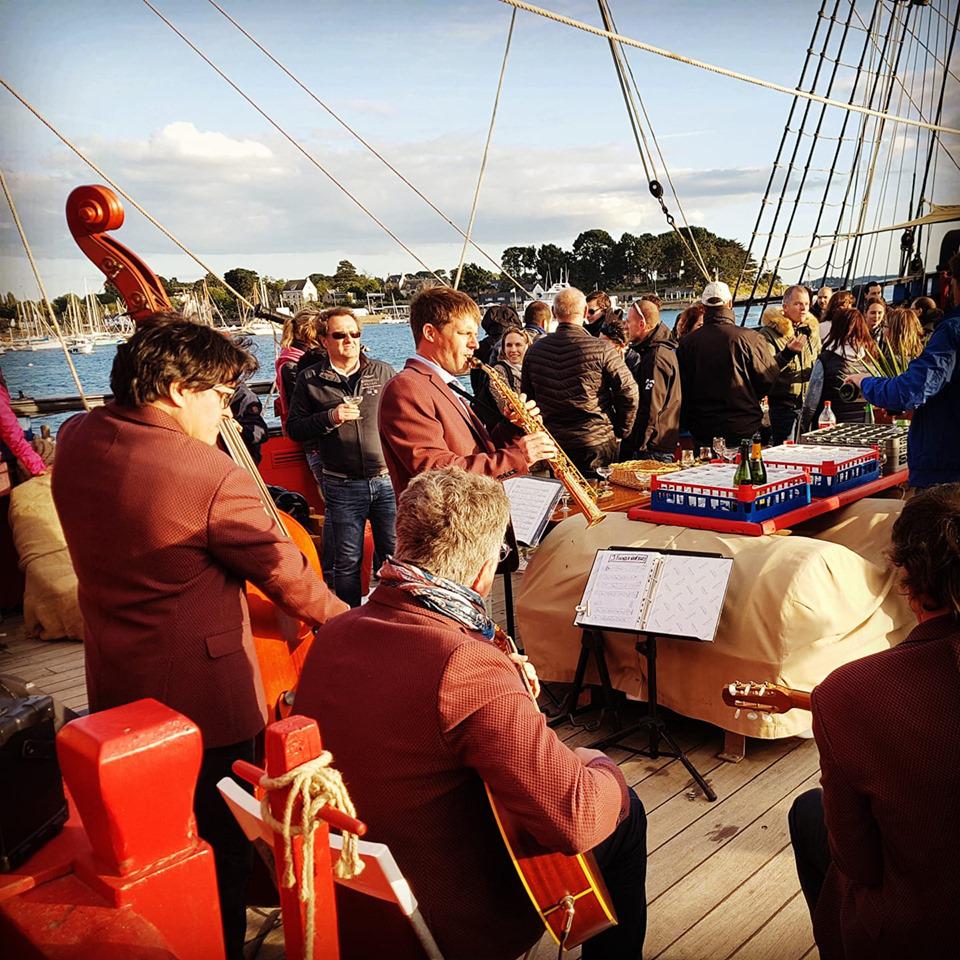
(868,416)
(742,476)
(758,469)
(827,417)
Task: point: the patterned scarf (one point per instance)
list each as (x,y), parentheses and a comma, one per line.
(444,596)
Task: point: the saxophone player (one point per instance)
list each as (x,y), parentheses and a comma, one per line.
(425,417)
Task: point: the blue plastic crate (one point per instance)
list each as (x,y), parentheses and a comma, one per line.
(855,476)
(832,469)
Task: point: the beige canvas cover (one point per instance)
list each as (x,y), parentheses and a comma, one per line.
(796,608)
(50,608)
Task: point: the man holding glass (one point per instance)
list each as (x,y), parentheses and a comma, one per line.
(334,410)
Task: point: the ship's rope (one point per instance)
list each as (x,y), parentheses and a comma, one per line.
(622,66)
(486,153)
(366,144)
(54,323)
(316,785)
(722,71)
(123,193)
(293,141)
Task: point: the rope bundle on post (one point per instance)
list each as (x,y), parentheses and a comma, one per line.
(316,785)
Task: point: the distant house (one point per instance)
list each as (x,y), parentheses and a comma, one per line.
(679,293)
(537,291)
(407,285)
(296,293)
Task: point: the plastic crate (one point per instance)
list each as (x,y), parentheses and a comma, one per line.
(832,469)
(709,491)
(889,439)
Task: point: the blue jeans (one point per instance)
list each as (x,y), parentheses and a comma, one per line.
(783,422)
(350,503)
(326,550)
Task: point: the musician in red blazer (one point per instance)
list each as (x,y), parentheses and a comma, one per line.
(425,417)
(164,529)
(419,708)
(878,848)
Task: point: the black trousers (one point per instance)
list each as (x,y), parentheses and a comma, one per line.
(232,852)
(811,849)
(622,859)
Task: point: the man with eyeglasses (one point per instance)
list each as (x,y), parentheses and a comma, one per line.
(164,529)
(334,411)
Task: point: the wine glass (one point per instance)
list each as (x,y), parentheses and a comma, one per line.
(720,448)
(354,399)
(603,471)
(565,503)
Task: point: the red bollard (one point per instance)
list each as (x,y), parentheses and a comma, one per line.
(288,744)
(142,884)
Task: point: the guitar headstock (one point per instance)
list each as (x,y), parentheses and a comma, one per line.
(760,697)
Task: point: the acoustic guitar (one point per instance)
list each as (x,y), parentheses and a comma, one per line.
(281,642)
(764,697)
(567,891)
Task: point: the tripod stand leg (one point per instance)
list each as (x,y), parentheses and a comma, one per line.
(708,791)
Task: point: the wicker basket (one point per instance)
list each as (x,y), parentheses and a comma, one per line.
(637,473)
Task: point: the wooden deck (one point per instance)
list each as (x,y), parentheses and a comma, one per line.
(721,883)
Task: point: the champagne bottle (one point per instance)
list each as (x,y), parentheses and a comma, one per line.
(827,417)
(742,476)
(758,469)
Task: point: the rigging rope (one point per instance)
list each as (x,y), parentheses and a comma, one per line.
(306,153)
(722,71)
(623,71)
(126,196)
(346,126)
(43,293)
(486,153)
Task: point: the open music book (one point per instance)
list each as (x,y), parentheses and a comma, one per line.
(532,502)
(669,593)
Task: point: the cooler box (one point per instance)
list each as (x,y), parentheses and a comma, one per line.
(889,439)
(831,469)
(709,491)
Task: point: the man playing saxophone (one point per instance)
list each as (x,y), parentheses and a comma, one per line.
(425,417)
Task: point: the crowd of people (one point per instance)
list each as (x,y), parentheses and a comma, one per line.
(418,705)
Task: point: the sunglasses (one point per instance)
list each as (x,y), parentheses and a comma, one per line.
(594,310)
(343,334)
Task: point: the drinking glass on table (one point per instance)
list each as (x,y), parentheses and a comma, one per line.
(603,472)
(720,447)
(686,458)
(706,454)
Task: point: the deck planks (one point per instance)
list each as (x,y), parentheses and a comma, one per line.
(720,881)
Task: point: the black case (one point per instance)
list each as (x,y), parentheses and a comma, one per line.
(33,808)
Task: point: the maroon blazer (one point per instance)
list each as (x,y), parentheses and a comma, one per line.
(424,425)
(163,531)
(418,712)
(886,727)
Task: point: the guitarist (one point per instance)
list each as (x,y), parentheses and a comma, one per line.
(420,709)
(878,847)
(164,529)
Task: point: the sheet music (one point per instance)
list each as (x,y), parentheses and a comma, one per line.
(532,500)
(688,597)
(617,590)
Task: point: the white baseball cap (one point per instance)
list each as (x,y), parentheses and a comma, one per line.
(715,294)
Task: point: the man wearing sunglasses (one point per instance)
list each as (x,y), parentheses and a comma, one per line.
(598,304)
(334,412)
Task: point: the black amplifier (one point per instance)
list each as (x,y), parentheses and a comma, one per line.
(32,805)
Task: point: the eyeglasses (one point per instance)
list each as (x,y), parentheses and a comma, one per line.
(505,551)
(343,334)
(225,394)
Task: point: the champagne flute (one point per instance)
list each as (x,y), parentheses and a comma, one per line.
(354,399)
(720,448)
(565,503)
(603,472)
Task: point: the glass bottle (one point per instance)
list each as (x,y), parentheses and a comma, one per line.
(758,469)
(828,418)
(742,476)
(868,416)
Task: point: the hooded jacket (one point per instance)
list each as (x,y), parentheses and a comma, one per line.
(653,363)
(790,386)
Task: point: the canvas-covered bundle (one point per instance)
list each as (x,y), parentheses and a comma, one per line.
(797,607)
(50,608)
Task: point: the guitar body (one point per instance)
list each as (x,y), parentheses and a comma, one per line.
(550,877)
(281,642)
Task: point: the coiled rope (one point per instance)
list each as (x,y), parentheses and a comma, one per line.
(316,784)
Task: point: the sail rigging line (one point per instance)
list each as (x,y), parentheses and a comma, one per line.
(773,268)
(486,153)
(293,141)
(357,136)
(943,87)
(115,186)
(879,127)
(933,54)
(55,325)
(713,68)
(777,161)
(624,71)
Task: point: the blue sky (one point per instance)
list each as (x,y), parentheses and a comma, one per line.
(418,80)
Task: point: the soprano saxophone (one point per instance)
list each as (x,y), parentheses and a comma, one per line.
(563,467)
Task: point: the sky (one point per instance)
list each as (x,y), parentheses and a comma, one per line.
(417,79)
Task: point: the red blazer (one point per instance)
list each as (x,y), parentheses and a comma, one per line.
(424,425)
(886,727)
(163,531)
(418,711)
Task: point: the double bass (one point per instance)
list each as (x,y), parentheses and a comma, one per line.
(281,642)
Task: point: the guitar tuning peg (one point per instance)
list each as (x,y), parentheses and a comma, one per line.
(751,715)
(766,717)
(737,713)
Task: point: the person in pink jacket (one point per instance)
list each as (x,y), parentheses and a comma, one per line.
(12,438)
